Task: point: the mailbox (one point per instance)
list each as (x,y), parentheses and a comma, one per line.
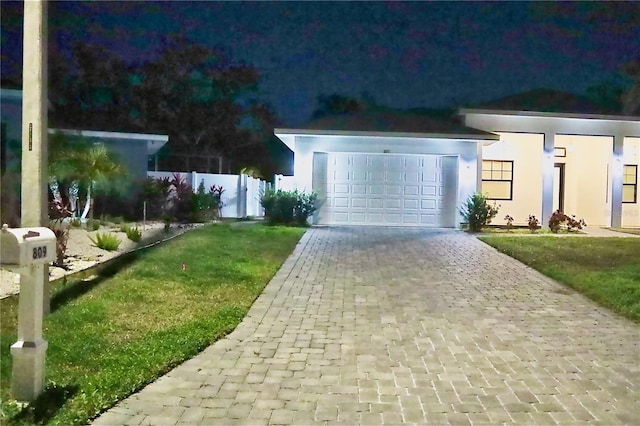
(20,247)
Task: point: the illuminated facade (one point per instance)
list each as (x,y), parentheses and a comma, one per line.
(529,163)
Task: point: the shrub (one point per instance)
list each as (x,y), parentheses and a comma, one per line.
(57,213)
(134,234)
(533,223)
(156,194)
(572,223)
(75,223)
(288,207)
(216,193)
(206,205)
(305,207)
(558,218)
(106,241)
(477,212)
(509,220)
(93,224)
(182,202)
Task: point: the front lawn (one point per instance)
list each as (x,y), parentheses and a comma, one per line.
(606,270)
(634,231)
(110,337)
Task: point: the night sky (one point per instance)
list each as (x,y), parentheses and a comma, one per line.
(417,54)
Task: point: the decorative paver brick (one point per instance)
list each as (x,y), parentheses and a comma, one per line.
(389,325)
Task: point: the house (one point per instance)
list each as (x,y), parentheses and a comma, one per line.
(395,168)
(135,151)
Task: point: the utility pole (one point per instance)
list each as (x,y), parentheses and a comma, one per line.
(30,349)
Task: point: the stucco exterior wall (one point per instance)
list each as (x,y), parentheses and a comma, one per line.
(587,176)
(132,154)
(631,212)
(466,151)
(525,150)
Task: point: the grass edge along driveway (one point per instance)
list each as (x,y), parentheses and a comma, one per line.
(109,338)
(607,270)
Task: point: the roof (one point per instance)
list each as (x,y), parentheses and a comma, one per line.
(153,142)
(607,117)
(12,94)
(388,122)
(545,100)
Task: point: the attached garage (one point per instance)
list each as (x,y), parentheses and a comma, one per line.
(386,189)
(385,169)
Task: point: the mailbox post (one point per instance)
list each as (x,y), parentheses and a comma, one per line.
(26,251)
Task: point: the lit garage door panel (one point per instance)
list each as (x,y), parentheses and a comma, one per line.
(385,189)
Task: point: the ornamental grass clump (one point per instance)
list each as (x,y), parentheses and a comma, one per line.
(93,224)
(134,234)
(106,241)
(477,211)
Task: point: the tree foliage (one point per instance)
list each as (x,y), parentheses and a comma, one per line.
(198,96)
(338,104)
(631,97)
(81,164)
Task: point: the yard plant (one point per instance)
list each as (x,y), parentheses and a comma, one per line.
(106,241)
(477,212)
(133,233)
(606,270)
(558,219)
(110,337)
(288,207)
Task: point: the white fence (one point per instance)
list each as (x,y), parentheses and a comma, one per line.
(241,196)
(285,183)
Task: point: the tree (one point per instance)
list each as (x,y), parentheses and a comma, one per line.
(338,104)
(89,89)
(606,95)
(631,97)
(198,97)
(79,168)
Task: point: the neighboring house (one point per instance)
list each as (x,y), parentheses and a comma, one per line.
(135,151)
(391,168)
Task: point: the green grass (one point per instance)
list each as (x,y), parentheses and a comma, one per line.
(634,231)
(110,337)
(606,270)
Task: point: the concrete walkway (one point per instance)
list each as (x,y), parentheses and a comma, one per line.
(387,326)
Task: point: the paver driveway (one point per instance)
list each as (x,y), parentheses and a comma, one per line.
(384,325)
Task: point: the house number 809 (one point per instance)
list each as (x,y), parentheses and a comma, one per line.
(39,252)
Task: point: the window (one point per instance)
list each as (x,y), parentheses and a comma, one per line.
(560,152)
(630,183)
(497,179)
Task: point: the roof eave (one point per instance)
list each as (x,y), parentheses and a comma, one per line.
(351,133)
(464,111)
(154,142)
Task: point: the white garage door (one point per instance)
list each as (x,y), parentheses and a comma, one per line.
(386,189)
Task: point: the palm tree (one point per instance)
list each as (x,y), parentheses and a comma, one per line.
(82,165)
